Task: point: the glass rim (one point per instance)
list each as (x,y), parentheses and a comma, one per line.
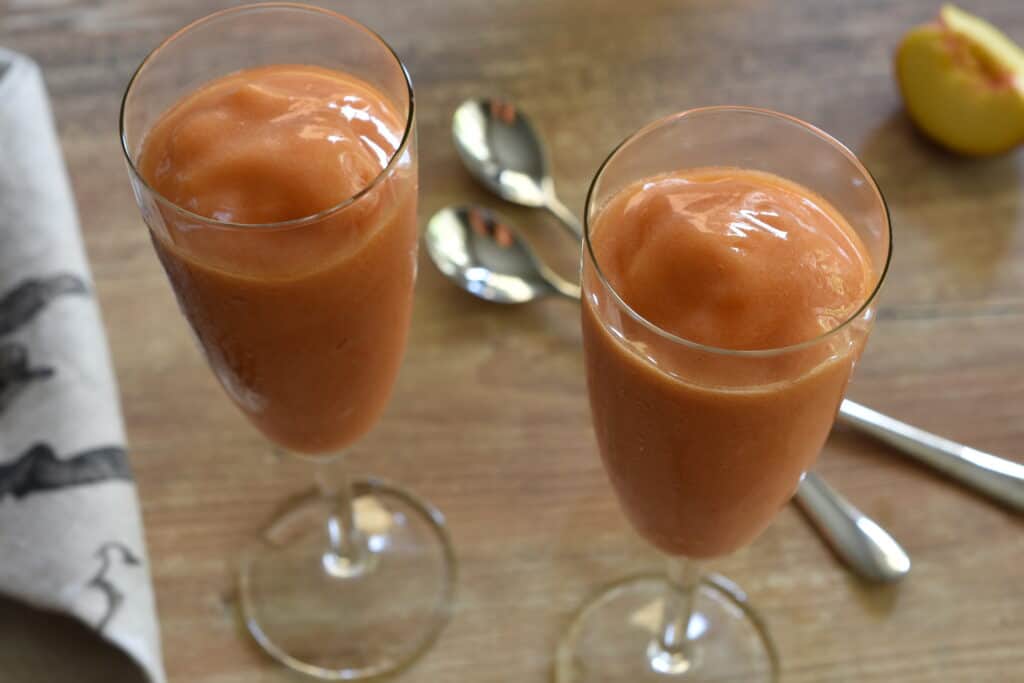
(707,348)
(291,222)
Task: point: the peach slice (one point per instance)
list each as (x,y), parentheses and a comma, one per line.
(963,83)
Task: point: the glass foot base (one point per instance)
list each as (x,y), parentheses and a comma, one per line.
(614,638)
(338,618)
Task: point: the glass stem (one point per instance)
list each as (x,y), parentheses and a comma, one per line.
(671,652)
(346,545)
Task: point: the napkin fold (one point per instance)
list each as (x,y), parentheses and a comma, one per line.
(71,536)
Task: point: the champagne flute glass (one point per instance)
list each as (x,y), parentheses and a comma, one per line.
(304,322)
(703,445)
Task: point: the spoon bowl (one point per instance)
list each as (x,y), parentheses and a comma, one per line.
(489,258)
(501,149)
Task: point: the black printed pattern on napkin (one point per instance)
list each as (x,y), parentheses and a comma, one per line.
(39,469)
(112,556)
(18,307)
(16,373)
(28,298)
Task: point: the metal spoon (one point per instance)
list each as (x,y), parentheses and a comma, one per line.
(855,538)
(488,258)
(500,147)
(1000,479)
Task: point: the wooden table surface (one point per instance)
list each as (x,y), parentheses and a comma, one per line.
(489,418)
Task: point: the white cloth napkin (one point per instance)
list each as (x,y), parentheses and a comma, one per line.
(70,529)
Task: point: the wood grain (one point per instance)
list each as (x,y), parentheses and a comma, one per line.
(489,418)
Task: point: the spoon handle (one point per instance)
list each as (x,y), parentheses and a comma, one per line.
(998,478)
(570,290)
(564,214)
(858,541)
